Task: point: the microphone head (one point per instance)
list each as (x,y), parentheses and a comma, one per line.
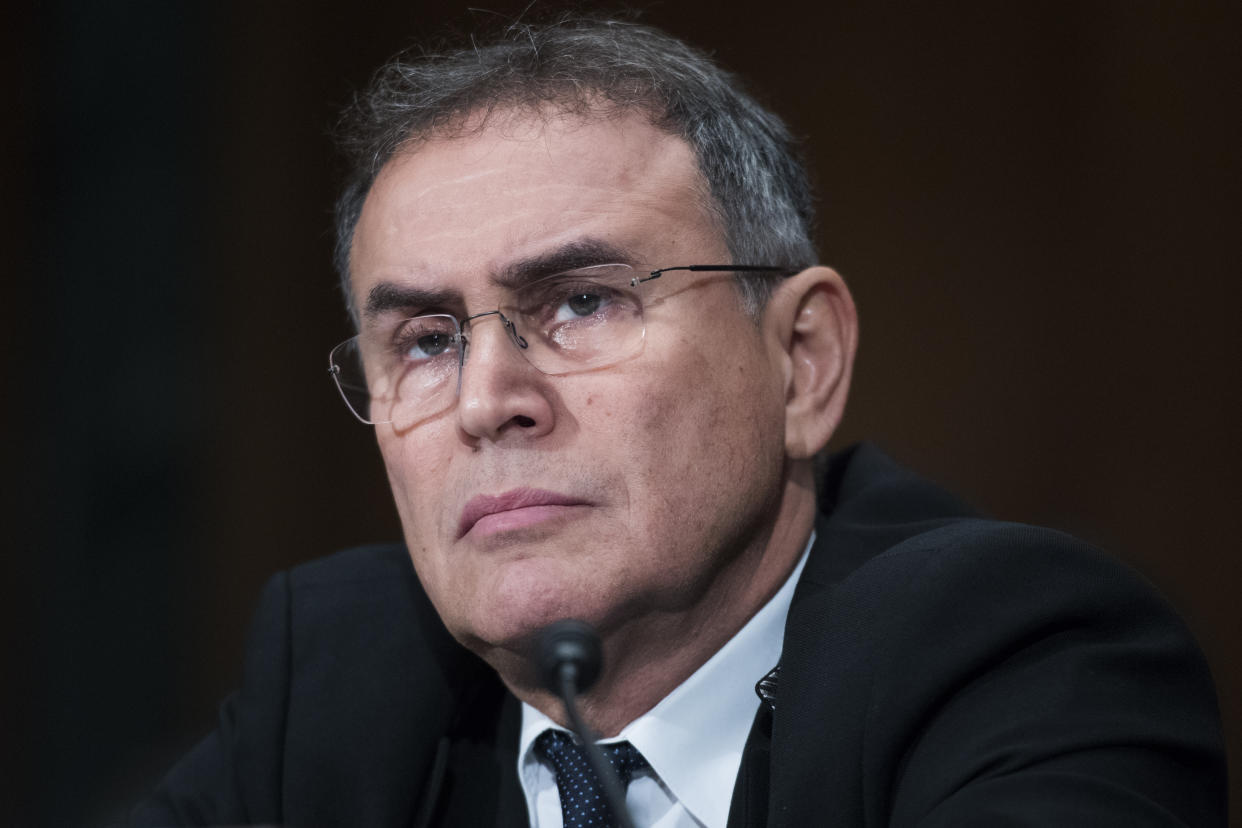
(568,642)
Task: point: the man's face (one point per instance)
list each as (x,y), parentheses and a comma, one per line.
(612,495)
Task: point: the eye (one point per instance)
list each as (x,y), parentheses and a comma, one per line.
(429,345)
(424,338)
(581,302)
(594,293)
(582,310)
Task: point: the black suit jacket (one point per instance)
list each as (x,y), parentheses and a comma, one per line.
(938,669)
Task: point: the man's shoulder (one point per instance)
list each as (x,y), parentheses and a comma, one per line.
(876,515)
(901,568)
(354,588)
(973,663)
(360,564)
(359,622)
(356,605)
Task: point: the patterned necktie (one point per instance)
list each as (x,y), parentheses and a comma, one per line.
(583,804)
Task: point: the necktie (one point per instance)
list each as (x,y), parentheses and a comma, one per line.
(583,804)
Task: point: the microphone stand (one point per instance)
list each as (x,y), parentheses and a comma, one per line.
(569,660)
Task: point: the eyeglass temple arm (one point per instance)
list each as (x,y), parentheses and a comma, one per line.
(784,271)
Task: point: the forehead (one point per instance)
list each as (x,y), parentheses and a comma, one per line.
(523,185)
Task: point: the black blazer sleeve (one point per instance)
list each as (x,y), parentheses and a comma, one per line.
(989,674)
(233,776)
(350,685)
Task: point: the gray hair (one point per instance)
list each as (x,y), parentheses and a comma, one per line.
(760,193)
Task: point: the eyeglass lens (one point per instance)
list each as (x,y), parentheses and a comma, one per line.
(403,371)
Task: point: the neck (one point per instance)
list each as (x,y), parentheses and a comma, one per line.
(647,657)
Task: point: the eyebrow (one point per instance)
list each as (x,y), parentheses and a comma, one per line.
(583,252)
(390,296)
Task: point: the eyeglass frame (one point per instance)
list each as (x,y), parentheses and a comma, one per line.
(518,340)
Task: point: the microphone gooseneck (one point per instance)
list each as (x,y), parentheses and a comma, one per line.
(569,647)
(568,660)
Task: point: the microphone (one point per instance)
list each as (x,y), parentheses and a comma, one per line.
(568,650)
(568,660)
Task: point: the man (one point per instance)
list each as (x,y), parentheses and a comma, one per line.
(601,363)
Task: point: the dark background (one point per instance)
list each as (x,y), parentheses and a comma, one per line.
(1035,205)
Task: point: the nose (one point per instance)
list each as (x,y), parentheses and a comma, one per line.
(501,394)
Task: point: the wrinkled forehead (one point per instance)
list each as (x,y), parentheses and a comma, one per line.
(514,186)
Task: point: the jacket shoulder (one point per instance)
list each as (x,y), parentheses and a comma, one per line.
(951,666)
(383,562)
(350,681)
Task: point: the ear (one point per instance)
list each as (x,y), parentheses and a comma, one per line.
(812,319)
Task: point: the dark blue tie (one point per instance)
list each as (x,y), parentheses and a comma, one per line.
(583,804)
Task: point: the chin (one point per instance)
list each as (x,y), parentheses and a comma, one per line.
(524,598)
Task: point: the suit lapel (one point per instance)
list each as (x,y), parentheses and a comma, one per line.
(749,806)
(751,791)
(868,505)
(511,809)
(480,785)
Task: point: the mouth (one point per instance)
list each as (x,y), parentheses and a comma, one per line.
(514,509)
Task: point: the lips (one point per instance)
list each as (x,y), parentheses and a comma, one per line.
(514,508)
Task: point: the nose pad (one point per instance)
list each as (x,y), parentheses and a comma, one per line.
(504,392)
(463,347)
(468,329)
(516,337)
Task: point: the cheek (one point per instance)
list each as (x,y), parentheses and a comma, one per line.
(720,396)
(392,450)
(416,475)
(710,430)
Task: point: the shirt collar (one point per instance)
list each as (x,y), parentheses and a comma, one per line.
(694,737)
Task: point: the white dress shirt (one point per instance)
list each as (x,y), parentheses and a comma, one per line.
(693,739)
